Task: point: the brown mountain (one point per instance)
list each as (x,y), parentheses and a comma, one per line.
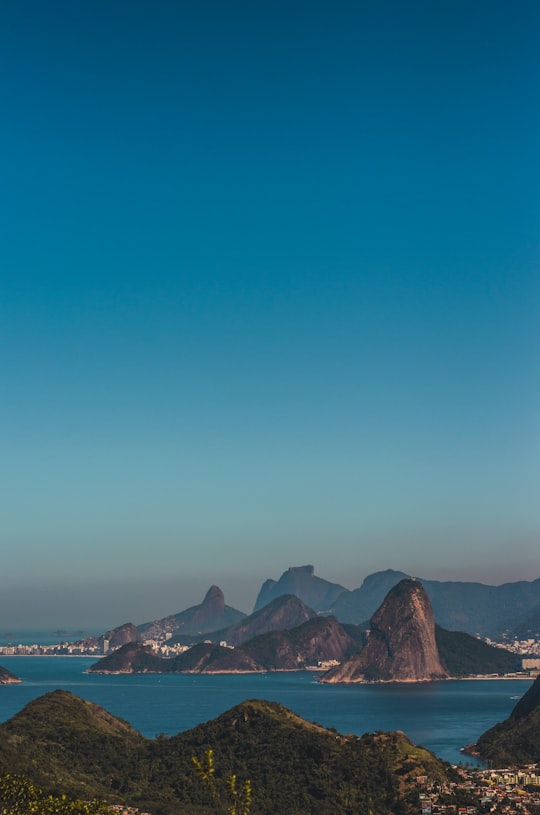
(318,640)
(134,657)
(281,614)
(401,645)
(205,657)
(209,615)
(114,638)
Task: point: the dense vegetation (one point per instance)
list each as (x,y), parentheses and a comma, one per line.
(18,796)
(465,655)
(62,743)
(516,741)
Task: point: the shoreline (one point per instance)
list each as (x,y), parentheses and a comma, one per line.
(311,669)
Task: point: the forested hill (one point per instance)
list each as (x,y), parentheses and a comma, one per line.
(64,743)
(516,741)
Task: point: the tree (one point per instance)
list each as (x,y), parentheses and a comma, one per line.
(227,794)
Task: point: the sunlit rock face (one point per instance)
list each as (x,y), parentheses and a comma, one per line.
(401,645)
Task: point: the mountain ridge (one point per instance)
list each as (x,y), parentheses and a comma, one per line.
(60,741)
(317,640)
(301,581)
(476,608)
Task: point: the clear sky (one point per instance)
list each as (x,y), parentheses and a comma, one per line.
(269,296)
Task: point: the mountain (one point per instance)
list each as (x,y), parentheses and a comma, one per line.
(134,657)
(114,638)
(486,611)
(320,639)
(359,605)
(478,609)
(401,645)
(204,657)
(64,743)
(516,741)
(301,581)
(7,678)
(209,615)
(526,626)
(465,655)
(284,612)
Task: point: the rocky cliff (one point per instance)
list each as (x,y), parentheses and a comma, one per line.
(401,645)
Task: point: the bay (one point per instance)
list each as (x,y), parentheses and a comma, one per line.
(442,716)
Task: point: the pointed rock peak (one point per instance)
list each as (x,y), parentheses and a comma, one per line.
(401,644)
(406,599)
(214,597)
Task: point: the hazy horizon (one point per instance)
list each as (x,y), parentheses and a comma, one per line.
(121,602)
(269,296)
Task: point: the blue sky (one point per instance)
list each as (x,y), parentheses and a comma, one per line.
(269,296)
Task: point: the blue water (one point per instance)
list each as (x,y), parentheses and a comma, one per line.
(442,716)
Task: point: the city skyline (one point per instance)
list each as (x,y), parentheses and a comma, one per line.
(269,296)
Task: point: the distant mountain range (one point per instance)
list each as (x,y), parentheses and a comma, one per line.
(498,612)
(488,611)
(287,611)
(404,645)
(316,641)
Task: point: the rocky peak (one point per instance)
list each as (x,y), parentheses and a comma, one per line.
(214,600)
(307,570)
(401,645)
(301,581)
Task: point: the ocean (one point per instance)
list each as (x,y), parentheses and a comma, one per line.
(442,716)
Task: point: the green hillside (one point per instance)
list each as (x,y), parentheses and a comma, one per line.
(465,655)
(66,744)
(516,741)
